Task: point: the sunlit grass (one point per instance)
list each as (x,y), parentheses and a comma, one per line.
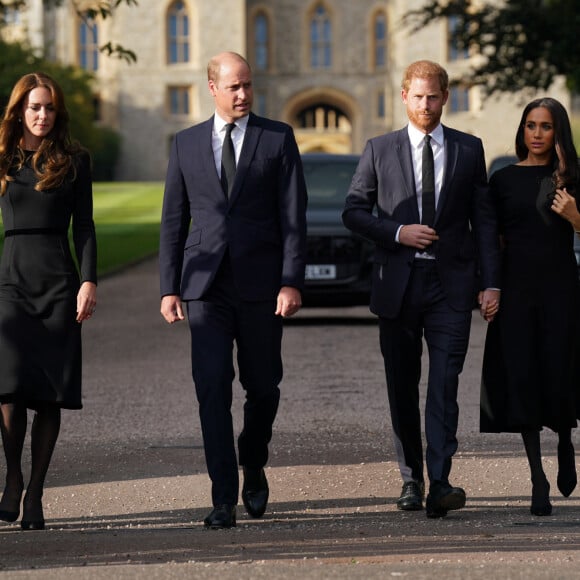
(127,216)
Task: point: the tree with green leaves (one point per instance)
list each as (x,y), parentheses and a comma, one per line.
(521,44)
(87,10)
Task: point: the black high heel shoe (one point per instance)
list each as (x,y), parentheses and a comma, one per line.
(32,524)
(32,516)
(7,516)
(541,505)
(10,515)
(567,478)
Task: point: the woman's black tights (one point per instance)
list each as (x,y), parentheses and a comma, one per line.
(566,469)
(541,505)
(44,434)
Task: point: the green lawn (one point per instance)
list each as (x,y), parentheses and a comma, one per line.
(127,219)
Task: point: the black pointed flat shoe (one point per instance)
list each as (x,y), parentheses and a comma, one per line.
(541,505)
(567,478)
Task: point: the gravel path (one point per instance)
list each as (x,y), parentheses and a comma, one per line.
(128,487)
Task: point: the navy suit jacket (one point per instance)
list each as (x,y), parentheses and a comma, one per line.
(262,225)
(465,219)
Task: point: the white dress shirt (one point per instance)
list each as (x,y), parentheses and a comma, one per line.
(417,139)
(217,139)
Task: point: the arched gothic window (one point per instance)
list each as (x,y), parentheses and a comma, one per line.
(320,39)
(177,33)
(89,45)
(380,40)
(261,41)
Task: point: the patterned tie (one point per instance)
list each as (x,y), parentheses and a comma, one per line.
(228,160)
(428,184)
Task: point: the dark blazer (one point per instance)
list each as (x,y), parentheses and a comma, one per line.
(465,220)
(262,225)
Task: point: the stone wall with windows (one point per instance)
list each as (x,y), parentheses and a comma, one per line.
(166,89)
(330,68)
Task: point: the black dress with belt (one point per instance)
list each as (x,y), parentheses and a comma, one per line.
(530,374)
(40,340)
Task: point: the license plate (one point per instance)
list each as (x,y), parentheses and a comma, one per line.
(320,272)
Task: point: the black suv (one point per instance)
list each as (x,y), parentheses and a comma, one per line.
(339,263)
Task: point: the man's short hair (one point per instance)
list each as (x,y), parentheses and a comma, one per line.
(425,69)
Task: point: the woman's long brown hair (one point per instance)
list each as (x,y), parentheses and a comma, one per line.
(54,158)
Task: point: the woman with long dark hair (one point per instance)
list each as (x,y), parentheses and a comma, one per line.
(530,378)
(45,184)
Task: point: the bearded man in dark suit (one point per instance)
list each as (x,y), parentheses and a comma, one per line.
(424,202)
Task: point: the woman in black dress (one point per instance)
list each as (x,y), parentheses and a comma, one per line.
(530,379)
(45,182)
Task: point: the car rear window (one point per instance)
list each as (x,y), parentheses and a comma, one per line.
(327,182)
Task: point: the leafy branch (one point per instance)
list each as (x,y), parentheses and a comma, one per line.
(88,11)
(517,44)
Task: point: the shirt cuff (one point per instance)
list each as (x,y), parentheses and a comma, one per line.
(397,234)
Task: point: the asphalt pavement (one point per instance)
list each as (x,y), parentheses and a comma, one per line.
(128,488)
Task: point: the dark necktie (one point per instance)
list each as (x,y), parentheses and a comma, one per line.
(228,160)
(428,184)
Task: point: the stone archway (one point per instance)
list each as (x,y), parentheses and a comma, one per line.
(324,128)
(322,120)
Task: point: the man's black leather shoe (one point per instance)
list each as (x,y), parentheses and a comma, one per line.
(443,498)
(222,516)
(255,491)
(411,498)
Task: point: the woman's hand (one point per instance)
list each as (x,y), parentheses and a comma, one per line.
(86,301)
(488,303)
(565,205)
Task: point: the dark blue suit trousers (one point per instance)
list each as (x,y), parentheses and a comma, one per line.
(424,312)
(217,321)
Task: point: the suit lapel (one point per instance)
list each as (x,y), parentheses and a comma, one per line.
(251,139)
(405,158)
(207,157)
(451,155)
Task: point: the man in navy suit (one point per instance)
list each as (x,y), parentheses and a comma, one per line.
(434,232)
(232,248)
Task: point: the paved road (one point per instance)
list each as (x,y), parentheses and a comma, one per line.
(128,487)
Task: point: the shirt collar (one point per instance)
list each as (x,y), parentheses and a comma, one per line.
(416,137)
(219,123)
